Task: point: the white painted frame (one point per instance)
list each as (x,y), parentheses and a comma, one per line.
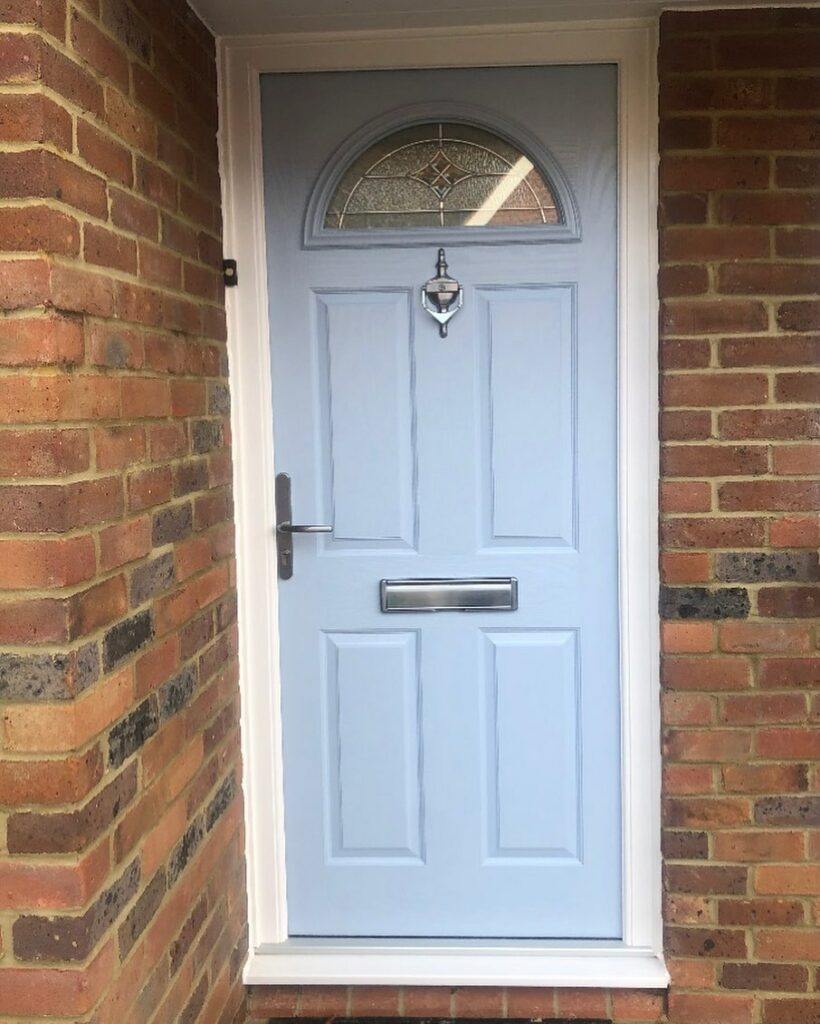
(637,960)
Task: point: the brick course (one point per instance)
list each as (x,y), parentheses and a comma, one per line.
(121,847)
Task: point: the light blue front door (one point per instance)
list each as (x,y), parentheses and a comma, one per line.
(452,773)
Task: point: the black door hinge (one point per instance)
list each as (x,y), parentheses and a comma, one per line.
(229,273)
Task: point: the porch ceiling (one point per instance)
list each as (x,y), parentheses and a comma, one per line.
(251,17)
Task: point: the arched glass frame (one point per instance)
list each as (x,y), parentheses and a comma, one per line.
(441,174)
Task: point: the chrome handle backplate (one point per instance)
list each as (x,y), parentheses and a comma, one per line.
(285,529)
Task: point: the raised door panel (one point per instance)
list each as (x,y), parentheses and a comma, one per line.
(533,750)
(367,408)
(529,396)
(373,756)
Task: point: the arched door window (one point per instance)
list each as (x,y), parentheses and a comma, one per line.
(442,174)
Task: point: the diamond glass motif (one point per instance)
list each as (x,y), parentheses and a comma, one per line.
(441,174)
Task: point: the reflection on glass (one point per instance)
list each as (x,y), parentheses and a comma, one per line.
(441,175)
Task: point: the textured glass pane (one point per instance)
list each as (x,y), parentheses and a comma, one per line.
(501,218)
(472,194)
(405,160)
(381,195)
(360,221)
(440,174)
(477,159)
(484,139)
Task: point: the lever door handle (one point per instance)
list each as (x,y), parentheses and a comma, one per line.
(285,528)
(304,528)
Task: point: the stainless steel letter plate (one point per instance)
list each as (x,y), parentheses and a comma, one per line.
(494,594)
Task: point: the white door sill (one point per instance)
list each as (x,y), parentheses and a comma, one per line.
(456,962)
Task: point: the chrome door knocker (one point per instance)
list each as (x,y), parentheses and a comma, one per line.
(439,294)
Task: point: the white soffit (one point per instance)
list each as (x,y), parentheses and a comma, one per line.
(262,17)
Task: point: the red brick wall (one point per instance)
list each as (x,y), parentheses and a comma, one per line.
(121,872)
(740,252)
(740,180)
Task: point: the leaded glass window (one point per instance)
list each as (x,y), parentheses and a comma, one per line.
(441,175)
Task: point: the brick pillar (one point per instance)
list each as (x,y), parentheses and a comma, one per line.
(121,866)
(740,179)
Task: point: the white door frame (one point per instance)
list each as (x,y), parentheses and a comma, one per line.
(637,960)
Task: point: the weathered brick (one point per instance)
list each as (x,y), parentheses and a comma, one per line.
(167,441)
(712,172)
(109,249)
(220,801)
(205,435)
(792,1011)
(136,128)
(788,811)
(789,602)
(789,673)
(768,278)
(712,942)
(760,912)
(127,637)
(797,171)
(782,496)
(157,664)
(784,350)
(190,929)
(190,477)
(692,133)
(124,542)
(797,242)
(171,524)
(72,831)
(196,633)
(714,460)
(176,692)
(130,734)
(134,214)
(152,578)
(219,399)
(97,606)
(680,845)
(140,915)
(714,243)
(73,938)
(104,153)
(764,637)
(36,677)
(706,316)
(128,27)
(797,460)
(185,849)
(702,603)
(42,174)
(780,566)
(52,782)
(774,208)
(710,674)
(706,879)
(774,424)
(148,488)
(39,228)
(29,117)
(35,341)
(43,453)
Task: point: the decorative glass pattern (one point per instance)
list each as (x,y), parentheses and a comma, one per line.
(441,175)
